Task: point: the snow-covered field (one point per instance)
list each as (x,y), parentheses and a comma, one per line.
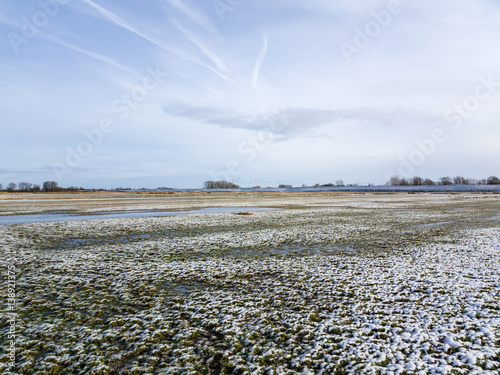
(327,284)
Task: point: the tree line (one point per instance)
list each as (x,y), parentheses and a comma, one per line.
(220,185)
(28,187)
(457,180)
(52,186)
(393,181)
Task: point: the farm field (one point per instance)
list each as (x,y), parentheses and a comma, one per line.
(321,283)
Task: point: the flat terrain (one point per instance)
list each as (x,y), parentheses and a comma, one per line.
(325,283)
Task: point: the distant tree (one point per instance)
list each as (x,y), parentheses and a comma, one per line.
(327,185)
(429,182)
(220,185)
(284,186)
(1,187)
(393,181)
(493,180)
(11,187)
(398,181)
(339,183)
(417,180)
(445,181)
(316,185)
(50,186)
(25,186)
(36,188)
(459,180)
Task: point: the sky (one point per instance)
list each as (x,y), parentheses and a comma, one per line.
(101,93)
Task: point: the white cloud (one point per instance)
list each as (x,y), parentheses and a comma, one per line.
(300,120)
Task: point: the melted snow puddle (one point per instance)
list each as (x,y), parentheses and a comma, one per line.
(303,250)
(78,242)
(51,217)
(436,224)
(311,250)
(344,203)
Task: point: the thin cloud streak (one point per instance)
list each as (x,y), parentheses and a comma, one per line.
(120,22)
(204,49)
(94,55)
(193,14)
(258,62)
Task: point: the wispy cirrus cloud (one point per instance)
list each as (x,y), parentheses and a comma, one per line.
(259,61)
(115,19)
(194,14)
(89,53)
(201,46)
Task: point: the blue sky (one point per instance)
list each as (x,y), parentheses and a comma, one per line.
(101,93)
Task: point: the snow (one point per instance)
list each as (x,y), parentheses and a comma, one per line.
(216,290)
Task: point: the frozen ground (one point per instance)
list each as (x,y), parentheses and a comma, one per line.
(389,284)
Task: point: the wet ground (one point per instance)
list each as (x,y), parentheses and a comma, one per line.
(326,284)
(53,216)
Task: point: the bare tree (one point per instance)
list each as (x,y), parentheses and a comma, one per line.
(339,183)
(403,182)
(11,187)
(445,181)
(429,182)
(459,180)
(493,180)
(220,185)
(25,186)
(393,181)
(1,187)
(50,186)
(417,180)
